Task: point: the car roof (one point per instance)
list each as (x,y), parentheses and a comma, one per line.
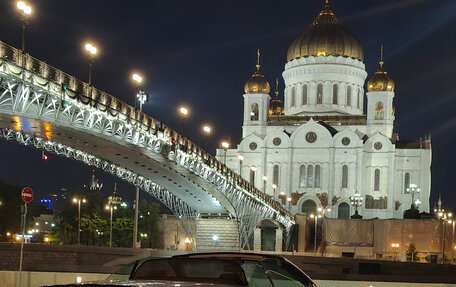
(230,255)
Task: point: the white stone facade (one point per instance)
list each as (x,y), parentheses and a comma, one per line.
(324,147)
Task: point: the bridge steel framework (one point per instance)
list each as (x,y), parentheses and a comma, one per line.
(32,89)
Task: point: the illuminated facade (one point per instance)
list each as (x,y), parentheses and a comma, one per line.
(318,147)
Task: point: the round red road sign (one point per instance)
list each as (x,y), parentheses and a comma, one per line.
(27,194)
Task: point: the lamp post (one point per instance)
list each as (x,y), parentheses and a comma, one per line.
(113,200)
(140,95)
(26,11)
(274,186)
(183,111)
(446,218)
(225,146)
(289,204)
(413,188)
(78,201)
(206,131)
(320,213)
(91,51)
(265,178)
(356,200)
(395,247)
(241,159)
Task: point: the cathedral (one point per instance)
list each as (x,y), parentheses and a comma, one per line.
(318,149)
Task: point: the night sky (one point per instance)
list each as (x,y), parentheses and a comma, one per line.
(200,53)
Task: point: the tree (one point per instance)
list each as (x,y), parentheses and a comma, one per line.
(149,216)
(411,253)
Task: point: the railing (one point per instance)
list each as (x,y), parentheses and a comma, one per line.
(90,95)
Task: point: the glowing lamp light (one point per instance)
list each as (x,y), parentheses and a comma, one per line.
(265,178)
(91,49)
(183,111)
(241,157)
(187,240)
(78,279)
(137,78)
(225,144)
(215,238)
(207,129)
(21,5)
(253,168)
(274,186)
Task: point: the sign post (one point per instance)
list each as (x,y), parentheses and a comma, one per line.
(27,196)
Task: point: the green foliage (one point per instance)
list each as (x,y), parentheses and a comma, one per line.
(411,253)
(10,210)
(148,224)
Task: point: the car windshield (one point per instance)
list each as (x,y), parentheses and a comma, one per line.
(271,272)
(195,269)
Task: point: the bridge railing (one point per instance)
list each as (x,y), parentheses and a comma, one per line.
(90,95)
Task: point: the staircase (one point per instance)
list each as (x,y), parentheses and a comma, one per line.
(226,231)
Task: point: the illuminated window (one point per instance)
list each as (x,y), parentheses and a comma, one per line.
(377,180)
(335,94)
(302,176)
(254,112)
(319,93)
(317,176)
(275,175)
(310,176)
(304,95)
(406,181)
(349,95)
(345,176)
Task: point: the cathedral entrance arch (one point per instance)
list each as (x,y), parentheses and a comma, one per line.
(309,206)
(343,211)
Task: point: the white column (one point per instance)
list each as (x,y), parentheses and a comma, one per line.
(257,239)
(279,236)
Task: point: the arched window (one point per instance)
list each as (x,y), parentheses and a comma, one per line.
(302,176)
(406,181)
(310,172)
(252,176)
(343,211)
(345,176)
(335,94)
(254,112)
(308,206)
(377,180)
(275,175)
(349,95)
(293,97)
(304,94)
(317,176)
(319,93)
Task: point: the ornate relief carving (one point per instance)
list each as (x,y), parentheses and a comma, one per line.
(335,200)
(323,197)
(295,196)
(397,205)
(380,203)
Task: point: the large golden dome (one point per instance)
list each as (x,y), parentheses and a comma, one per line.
(257,84)
(380,81)
(326,36)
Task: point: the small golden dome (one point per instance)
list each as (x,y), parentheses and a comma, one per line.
(380,81)
(276,104)
(325,37)
(257,84)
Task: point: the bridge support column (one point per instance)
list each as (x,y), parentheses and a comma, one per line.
(279,240)
(257,239)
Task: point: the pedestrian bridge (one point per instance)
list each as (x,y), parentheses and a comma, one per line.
(43,107)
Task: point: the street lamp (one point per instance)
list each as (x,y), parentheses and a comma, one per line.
(225,146)
(274,186)
(413,188)
(265,178)
(110,208)
(113,200)
(289,203)
(207,131)
(320,213)
(91,51)
(78,201)
(183,111)
(356,200)
(26,11)
(395,247)
(140,95)
(241,159)
(446,218)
